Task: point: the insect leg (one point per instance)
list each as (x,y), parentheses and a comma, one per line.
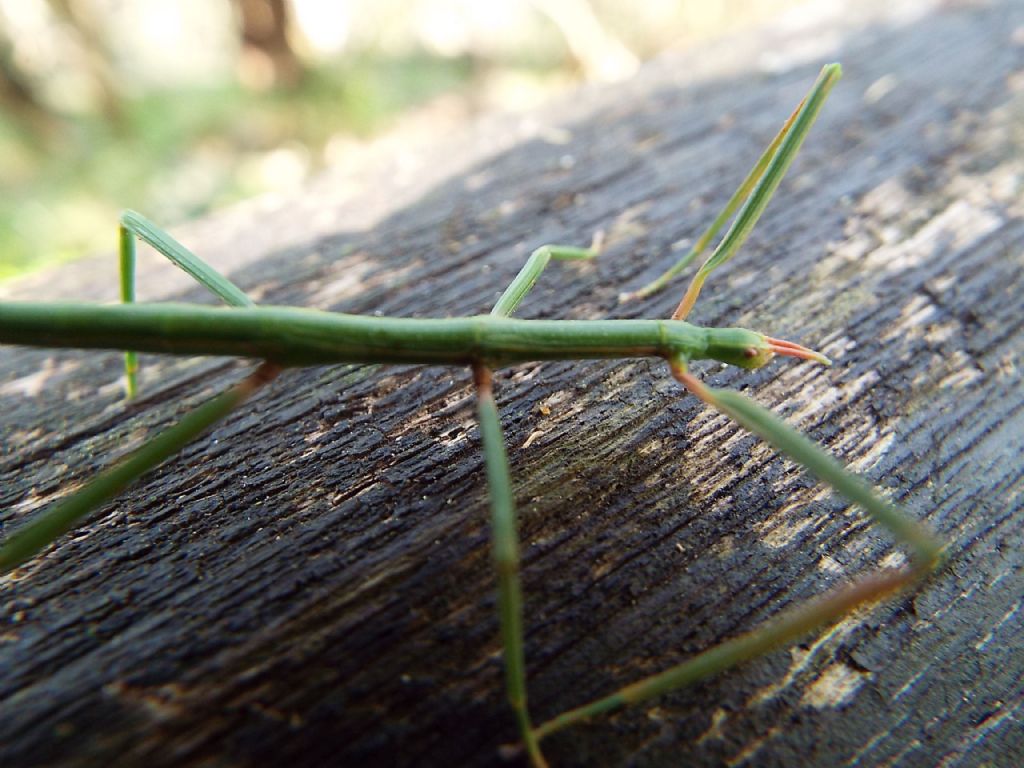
(738,197)
(754,193)
(505,542)
(784,629)
(796,622)
(523,282)
(782,158)
(926,549)
(65,514)
(134,225)
(204,274)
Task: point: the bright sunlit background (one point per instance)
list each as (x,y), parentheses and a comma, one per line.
(175,108)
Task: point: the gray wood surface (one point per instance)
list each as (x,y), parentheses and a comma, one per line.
(310,584)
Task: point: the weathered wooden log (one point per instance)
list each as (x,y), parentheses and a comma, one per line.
(311,585)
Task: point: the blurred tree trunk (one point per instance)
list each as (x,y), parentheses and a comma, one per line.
(267,55)
(96,59)
(35,123)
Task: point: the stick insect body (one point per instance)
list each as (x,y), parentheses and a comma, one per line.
(285,337)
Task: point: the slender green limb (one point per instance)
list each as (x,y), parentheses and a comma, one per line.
(805,618)
(926,547)
(67,513)
(783,630)
(202,272)
(524,281)
(505,542)
(765,188)
(126,251)
(134,225)
(741,194)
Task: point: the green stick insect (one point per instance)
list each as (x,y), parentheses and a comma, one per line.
(284,337)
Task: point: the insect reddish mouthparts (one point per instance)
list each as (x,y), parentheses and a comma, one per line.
(792,349)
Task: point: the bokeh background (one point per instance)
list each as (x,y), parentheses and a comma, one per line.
(175,108)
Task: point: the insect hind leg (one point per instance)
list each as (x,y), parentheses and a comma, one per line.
(134,225)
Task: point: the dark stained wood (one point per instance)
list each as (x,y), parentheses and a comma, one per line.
(310,584)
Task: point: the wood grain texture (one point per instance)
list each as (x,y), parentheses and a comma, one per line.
(310,585)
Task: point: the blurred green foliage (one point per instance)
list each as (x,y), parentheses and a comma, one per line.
(187,150)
